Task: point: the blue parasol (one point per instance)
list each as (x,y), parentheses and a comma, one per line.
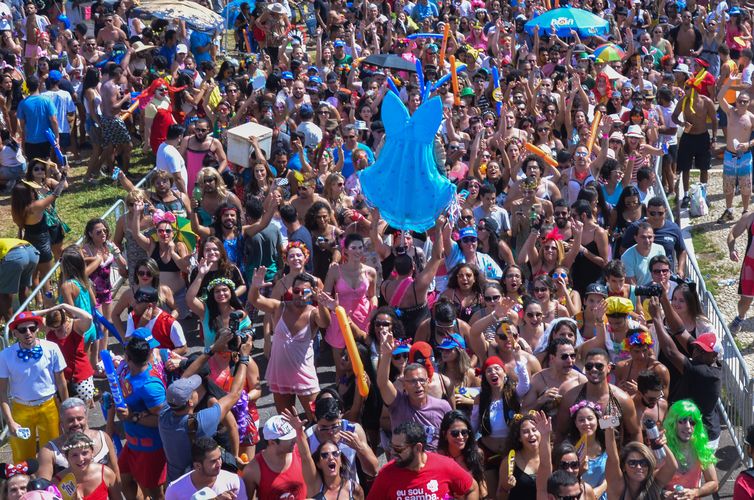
(566,19)
(231,11)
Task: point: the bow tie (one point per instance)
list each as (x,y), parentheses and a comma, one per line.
(27,354)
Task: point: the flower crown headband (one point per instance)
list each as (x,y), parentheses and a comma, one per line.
(640,338)
(596,407)
(221,281)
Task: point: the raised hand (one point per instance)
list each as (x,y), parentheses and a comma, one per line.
(257,279)
(387,345)
(292,418)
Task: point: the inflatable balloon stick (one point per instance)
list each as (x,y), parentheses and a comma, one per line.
(392,86)
(51,139)
(407,166)
(496,89)
(581,445)
(444,79)
(593,132)
(414,36)
(537,151)
(247,38)
(444,46)
(511,462)
(133,107)
(420,75)
(112,378)
(353,352)
(454,80)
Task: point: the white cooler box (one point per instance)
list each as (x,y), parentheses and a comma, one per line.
(239,145)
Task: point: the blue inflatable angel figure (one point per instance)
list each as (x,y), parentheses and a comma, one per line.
(404,182)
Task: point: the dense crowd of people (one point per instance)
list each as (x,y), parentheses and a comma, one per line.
(540,340)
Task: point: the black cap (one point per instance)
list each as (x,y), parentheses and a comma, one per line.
(597,289)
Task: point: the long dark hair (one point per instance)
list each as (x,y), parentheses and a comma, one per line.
(21,197)
(213,308)
(478,285)
(90,227)
(345,465)
(510,401)
(310,219)
(628,192)
(224,265)
(471,456)
(398,331)
(91,80)
(73,266)
(573,432)
(218,225)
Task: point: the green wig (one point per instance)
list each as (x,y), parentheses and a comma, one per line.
(699,442)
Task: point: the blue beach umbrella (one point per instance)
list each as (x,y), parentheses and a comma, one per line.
(231,11)
(566,19)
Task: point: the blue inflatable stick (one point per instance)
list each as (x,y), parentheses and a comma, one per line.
(442,81)
(404,182)
(392,86)
(105,404)
(51,139)
(101,321)
(414,36)
(496,83)
(112,378)
(420,74)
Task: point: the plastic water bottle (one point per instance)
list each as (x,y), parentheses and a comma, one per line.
(654,434)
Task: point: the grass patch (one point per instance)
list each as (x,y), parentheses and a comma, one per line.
(81,202)
(709,256)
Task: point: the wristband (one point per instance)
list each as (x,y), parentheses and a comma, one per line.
(244,359)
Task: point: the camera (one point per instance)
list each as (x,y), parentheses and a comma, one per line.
(681,281)
(239,337)
(651,290)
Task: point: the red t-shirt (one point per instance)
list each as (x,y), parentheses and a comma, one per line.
(79,368)
(440,478)
(744,487)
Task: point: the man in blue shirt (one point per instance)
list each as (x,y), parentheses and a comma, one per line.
(424,9)
(349,145)
(169,49)
(142,460)
(201,46)
(182,398)
(36,114)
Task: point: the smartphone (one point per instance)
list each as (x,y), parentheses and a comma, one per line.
(349,427)
(609,422)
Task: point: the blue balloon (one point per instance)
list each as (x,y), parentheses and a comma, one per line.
(496,83)
(391,84)
(414,36)
(404,182)
(445,78)
(420,74)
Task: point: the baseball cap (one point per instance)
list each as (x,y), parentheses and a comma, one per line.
(596,289)
(682,68)
(315,80)
(452,342)
(708,342)
(287,75)
(402,348)
(55,76)
(145,333)
(181,49)
(312,69)
(339,43)
(278,428)
(25,317)
(146,295)
(467,91)
(467,232)
(432,48)
(180,391)
(306,111)
(734,11)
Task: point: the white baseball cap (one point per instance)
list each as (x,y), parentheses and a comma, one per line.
(278,428)
(181,49)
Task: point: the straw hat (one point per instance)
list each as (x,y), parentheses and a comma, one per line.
(276,8)
(141,47)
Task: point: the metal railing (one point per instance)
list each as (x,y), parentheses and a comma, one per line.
(111,216)
(736,403)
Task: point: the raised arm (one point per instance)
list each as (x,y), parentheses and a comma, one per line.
(268,305)
(193,301)
(386,387)
(141,239)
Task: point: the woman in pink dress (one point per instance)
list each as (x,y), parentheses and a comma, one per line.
(353,285)
(291,371)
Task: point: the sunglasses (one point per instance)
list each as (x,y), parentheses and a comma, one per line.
(687,420)
(567,356)
(492,298)
(581,154)
(660,271)
(298,290)
(569,465)
(559,275)
(504,336)
(467,217)
(459,432)
(164,231)
(540,289)
(144,273)
(594,366)
(402,355)
(202,130)
(636,463)
(468,240)
(324,455)
(29,329)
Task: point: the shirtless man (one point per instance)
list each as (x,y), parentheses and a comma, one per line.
(91,51)
(109,33)
(649,399)
(115,137)
(597,389)
(737,160)
(694,147)
(549,385)
(685,37)
(305,198)
(35,27)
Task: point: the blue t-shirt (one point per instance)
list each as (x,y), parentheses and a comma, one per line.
(174,433)
(36,111)
(488,266)
(348,169)
(169,53)
(142,392)
(197,41)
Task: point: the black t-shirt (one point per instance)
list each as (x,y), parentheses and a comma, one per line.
(704,384)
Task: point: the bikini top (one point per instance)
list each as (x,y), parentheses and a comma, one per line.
(167,267)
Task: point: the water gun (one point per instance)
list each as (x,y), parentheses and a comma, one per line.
(112,378)
(105,404)
(53,142)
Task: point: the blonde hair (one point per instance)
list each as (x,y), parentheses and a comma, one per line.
(135,195)
(206,172)
(329,182)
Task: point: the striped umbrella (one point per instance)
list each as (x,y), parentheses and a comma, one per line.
(609,52)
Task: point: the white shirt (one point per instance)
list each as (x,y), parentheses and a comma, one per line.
(182,488)
(171,161)
(63,103)
(34,379)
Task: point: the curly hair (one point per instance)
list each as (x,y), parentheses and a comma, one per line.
(478,285)
(681,410)
(310,219)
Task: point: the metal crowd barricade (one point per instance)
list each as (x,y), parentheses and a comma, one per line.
(112,215)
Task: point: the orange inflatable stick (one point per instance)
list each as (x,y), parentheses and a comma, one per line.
(537,151)
(353,352)
(454,81)
(593,132)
